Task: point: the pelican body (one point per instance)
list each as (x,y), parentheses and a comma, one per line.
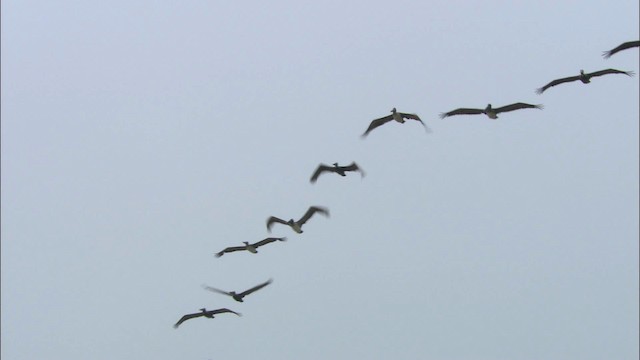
(252,248)
(204,313)
(395,115)
(297,225)
(340,170)
(491,112)
(585,78)
(238,296)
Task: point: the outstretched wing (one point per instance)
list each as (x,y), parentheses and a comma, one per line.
(230,249)
(274,219)
(223,310)
(210,288)
(415,117)
(516,106)
(462,111)
(377,122)
(410,116)
(611,71)
(623,46)
(352,167)
(556,82)
(187,317)
(312,210)
(321,168)
(255,288)
(268,240)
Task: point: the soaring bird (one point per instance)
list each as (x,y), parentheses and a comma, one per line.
(336,169)
(490,111)
(204,312)
(623,46)
(252,248)
(297,225)
(397,116)
(585,78)
(238,296)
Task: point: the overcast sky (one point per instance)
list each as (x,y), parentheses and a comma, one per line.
(140,138)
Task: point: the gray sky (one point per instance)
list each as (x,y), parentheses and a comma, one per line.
(139,138)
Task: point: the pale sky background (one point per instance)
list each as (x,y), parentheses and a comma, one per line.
(139,138)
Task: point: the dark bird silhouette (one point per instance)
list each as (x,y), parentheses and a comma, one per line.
(491,112)
(252,248)
(297,225)
(204,312)
(397,116)
(585,78)
(238,296)
(623,46)
(340,170)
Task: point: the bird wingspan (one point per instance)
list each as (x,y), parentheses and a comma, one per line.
(354,167)
(211,288)
(274,219)
(255,288)
(623,46)
(611,71)
(267,241)
(312,210)
(556,82)
(377,122)
(462,111)
(321,168)
(411,116)
(230,249)
(516,106)
(223,310)
(187,317)
(351,167)
(414,117)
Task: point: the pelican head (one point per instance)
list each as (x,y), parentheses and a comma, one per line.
(246,243)
(393,110)
(335,164)
(584,77)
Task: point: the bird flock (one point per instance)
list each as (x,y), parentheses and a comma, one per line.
(296,225)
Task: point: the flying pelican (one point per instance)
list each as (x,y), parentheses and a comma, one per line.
(397,116)
(236,296)
(336,169)
(252,248)
(585,78)
(623,46)
(489,111)
(297,225)
(204,312)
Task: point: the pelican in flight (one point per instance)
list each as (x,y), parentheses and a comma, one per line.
(491,112)
(623,46)
(397,116)
(585,78)
(252,248)
(297,225)
(238,296)
(340,170)
(204,312)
